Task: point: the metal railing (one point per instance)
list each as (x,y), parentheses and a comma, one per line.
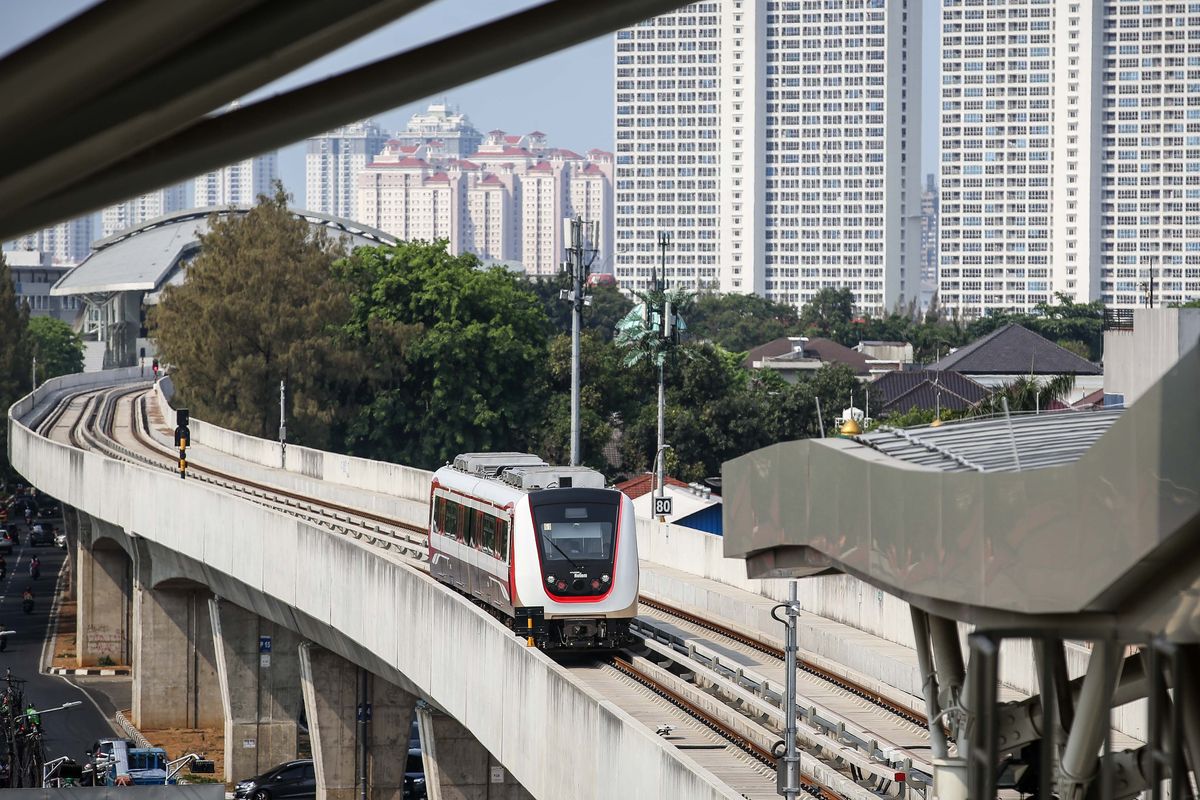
(1118,319)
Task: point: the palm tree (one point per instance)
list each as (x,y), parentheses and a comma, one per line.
(1028,393)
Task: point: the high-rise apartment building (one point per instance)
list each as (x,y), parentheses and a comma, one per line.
(929,238)
(770,139)
(1067,165)
(507,202)
(237,184)
(1148,197)
(147,206)
(331,165)
(444,129)
(66,243)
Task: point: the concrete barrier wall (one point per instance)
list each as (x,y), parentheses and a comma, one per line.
(80,380)
(557,737)
(408,483)
(841,598)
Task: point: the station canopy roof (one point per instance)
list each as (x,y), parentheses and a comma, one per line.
(1092,517)
(150,256)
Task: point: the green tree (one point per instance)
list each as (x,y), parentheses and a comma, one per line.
(457,354)
(610,393)
(830,314)
(739,322)
(1029,393)
(260,305)
(59,350)
(14,355)
(608,305)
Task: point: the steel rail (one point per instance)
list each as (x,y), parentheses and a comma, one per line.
(843,683)
(626,667)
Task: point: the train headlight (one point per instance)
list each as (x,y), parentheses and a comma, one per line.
(595,583)
(605,578)
(550,579)
(562,585)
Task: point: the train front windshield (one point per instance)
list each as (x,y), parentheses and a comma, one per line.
(576,531)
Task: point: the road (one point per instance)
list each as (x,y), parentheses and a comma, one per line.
(68,732)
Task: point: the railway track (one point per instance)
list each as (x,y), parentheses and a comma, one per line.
(717,702)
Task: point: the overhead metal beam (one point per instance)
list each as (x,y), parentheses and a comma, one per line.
(213,142)
(273,38)
(98,49)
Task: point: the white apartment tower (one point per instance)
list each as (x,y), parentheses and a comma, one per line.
(1067,165)
(236,184)
(144,207)
(507,202)
(332,162)
(66,243)
(770,139)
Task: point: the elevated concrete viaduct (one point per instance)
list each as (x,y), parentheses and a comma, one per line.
(204,574)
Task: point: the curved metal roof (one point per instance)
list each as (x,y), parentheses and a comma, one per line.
(146,257)
(1029,441)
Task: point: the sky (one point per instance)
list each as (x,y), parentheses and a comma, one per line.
(569,95)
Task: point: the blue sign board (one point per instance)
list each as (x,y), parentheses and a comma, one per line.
(264,644)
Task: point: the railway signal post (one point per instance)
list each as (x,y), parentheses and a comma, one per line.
(183,435)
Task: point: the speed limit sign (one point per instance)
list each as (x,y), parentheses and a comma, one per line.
(662,506)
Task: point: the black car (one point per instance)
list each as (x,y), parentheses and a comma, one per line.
(293,779)
(414,776)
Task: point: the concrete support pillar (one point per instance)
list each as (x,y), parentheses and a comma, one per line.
(103,610)
(349,751)
(457,766)
(71,529)
(175,681)
(258,667)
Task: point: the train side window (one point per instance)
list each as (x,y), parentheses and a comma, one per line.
(488,536)
(439,514)
(452,514)
(502,539)
(469,526)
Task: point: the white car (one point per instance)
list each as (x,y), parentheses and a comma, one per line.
(60,539)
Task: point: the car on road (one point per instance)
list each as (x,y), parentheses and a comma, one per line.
(41,535)
(6,541)
(291,779)
(60,539)
(414,776)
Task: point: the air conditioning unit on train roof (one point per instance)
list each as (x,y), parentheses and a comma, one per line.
(487,465)
(547,477)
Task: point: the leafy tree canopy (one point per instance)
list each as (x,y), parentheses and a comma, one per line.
(740,322)
(601,317)
(830,314)
(258,307)
(610,393)
(58,349)
(457,354)
(14,355)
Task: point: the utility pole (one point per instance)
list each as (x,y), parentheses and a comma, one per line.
(583,234)
(664,240)
(282,424)
(789,756)
(33,373)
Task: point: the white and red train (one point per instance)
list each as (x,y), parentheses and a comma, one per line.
(547,547)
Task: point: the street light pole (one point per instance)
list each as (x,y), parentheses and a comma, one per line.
(282,424)
(789,757)
(580,232)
